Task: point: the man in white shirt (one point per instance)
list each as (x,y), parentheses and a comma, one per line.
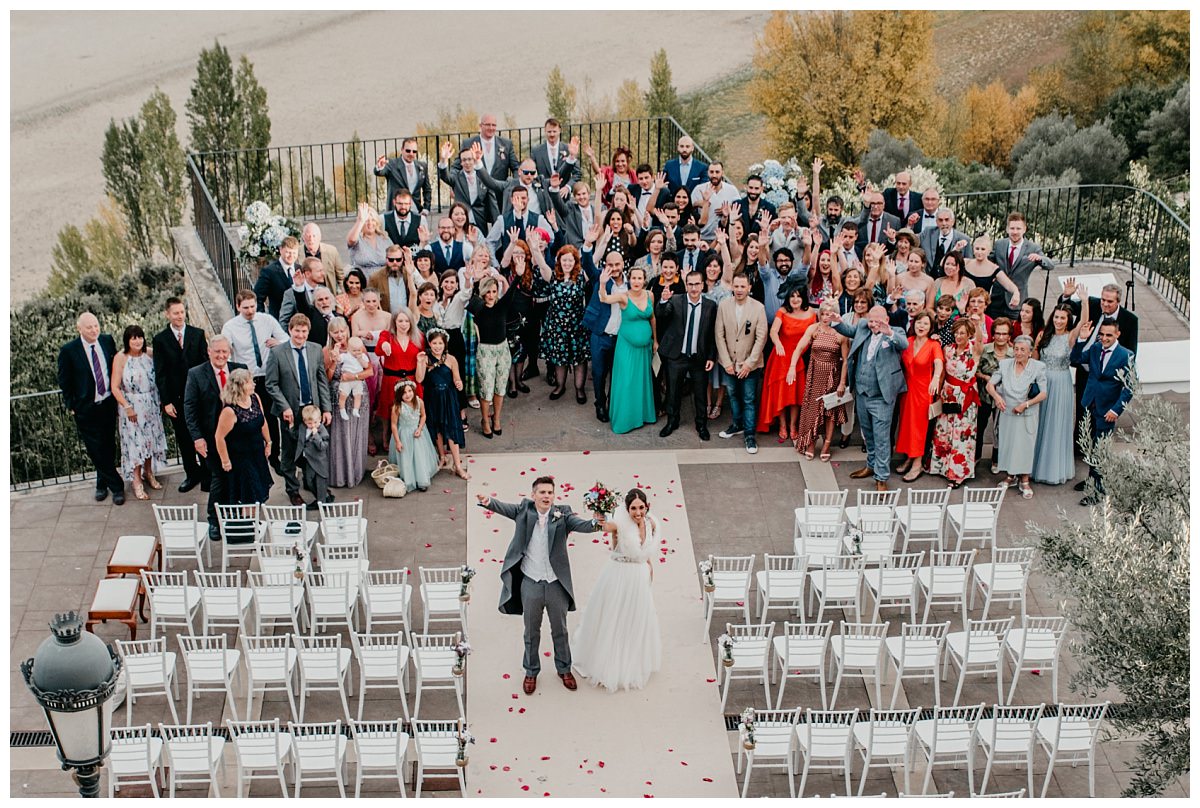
(252,334)
(719,195)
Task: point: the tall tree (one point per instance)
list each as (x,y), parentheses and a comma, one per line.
(663,99)
(255,136)
(212,114)
(1097,64)
(826,79)
(162,171)
(102,246)
(560,97)
(996,120)
(122,166)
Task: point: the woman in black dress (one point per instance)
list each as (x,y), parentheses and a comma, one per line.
(243,443)
(437,371)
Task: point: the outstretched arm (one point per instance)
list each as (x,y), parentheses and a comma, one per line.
(577,524)
(506,509)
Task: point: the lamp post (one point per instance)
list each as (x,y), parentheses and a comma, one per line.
(73,676)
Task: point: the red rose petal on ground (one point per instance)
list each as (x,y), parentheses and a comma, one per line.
(521,710)
(545,793)
(524,788)
(545,757)
(505,769)
(493,468)
(589,771)
(428,546)
(491,740)
(492,767)
(600,763)
(706,779)
(510,709)
(545,654)
(589,451)
(649,783)
(683,763)
(677,505)
(603,790)
(710,680)
(486,550)
(662,560)
(544,459)
(522,474)
(515,696)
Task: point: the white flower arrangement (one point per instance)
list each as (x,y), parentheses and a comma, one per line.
(464,737)
(464,590)
(747,727)
(706,570)
(262,231)
(725,643)
(462,649)
(781,181)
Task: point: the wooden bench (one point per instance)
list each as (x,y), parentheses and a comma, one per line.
(115,599)
(132,555)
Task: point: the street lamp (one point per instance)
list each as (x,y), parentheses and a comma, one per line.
(73,676)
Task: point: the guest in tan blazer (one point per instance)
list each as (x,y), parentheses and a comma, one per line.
(335,270)
(741,337)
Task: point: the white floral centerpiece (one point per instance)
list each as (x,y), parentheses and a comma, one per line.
(462,649)
(725,642)
(747,727)
(464,590)
(782,182)
(262,231)
(464,737)
(706,570)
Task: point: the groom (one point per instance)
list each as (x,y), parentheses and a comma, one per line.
(536,575)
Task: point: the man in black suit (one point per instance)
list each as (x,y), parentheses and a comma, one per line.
(753,203)
(496,155)
(276,277)
(201,409)
(177,349)
(648,189)
(901,200)
(576,218)
(402,225)
(470,184)
(874,224)
(686,325)
(406,172)
(85,379)
(324,309)
(553,157)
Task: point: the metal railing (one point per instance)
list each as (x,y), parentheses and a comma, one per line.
(45,447)
(214,235)
(328,180)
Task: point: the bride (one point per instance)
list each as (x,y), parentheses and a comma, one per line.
(617,644)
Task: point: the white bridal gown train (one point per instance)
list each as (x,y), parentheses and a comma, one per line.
(617,644)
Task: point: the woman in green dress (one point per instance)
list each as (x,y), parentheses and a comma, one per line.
(631,397)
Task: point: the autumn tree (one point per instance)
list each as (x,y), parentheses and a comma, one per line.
(996,120)
(560,97)
(826,79)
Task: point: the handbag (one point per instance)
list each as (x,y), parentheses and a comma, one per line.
(1034,391)
(382,471)
(394,488)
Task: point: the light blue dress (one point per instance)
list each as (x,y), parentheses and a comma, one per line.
(1054,460)
(1018,433)
(418,462)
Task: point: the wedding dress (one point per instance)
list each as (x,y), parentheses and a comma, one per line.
(617,644)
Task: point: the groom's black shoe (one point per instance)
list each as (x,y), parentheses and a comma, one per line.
(568,681)
(529,685)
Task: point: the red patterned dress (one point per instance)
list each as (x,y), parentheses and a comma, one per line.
(954,433)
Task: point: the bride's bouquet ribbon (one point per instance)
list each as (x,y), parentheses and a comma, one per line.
(600,498)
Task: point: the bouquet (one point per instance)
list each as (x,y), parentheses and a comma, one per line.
(726,644)
(706,570)
(464,593)
(462,649)
(464,737)
(262,231)
(748,728)
(600,498)
(782,182)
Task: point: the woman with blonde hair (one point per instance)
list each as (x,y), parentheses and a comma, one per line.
(826,374)
(243,442)
(347,438)
(980,269)
(368,241)
(492,357)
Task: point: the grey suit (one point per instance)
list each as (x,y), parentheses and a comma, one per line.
(1017,270)
(876,383)
(283,386)
(931,239)
(312,452)
(530,598)
(568,172)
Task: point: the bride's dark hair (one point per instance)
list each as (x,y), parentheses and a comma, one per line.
(636,493)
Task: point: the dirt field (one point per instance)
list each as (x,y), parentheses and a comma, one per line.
(326,75)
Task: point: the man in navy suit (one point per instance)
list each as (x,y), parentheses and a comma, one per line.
(406,172)
(602,320)
(177,349)
(901,201)
(684,171)
(276,277)
(1109,388)
(447,251)
(201,409)
(85,379)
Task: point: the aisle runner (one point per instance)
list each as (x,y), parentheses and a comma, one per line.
(666,740)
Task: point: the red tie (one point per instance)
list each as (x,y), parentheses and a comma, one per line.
(874,230)
(903,206)
(1012,255)
(221,374)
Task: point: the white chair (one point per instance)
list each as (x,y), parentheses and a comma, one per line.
(332,598)
(382,658)
(978,650)
(774,746)
(343,523)
(872,506)
(946,796)
(1004,578)
(285,524)
(1017,795)
(380,746)
(820,539)
(1071,736)
(240,531)
(194,755)
(433,660)
(136,757)
(260,746)
(320,749)
(270,667)
(944,582)
(324,665)
(917,653)
(277,557)
(858,647)
(887,735)
(922,517)
(149,668)
(1008,736)
(837,583)
(437,749)
(731,577)
(278,598)
(211,667)
(976,518)
(172,601)
(873,538)
(182,534)
(223,601)
(343,558)
(781,583)
(1036,646)
(800,652)
(820,506)
(387,599)
(894,583)
(751,657)
(439,597)
(948,739)
(826,735)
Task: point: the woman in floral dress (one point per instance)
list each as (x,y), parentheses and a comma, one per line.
(954,433)
(564,343)
(143,442)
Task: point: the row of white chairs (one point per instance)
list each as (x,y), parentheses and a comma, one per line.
(923,516)
(271,664)
(184,535)
(921,650)
(836,578)
(945,736)
(265,750)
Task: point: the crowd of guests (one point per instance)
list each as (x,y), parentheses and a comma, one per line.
(800,319)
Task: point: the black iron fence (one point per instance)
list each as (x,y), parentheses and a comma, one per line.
(328,180)
(214,235)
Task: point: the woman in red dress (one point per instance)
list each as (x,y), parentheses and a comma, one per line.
(397,351)
(781,398)
(922,362)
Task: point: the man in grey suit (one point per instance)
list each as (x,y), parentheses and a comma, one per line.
(552,156)
(875,226)
(877,378)
(471,184)
(406,172)
(536,575)
(1017,257)
(938,242)
(294,380)
(497,156)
